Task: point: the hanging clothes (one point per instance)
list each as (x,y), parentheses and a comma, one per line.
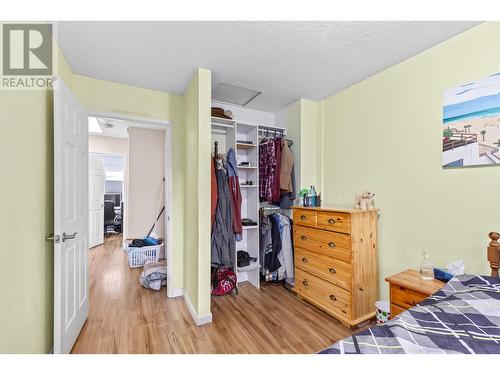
(223,246)
(275,197)
(287,199)
(269,170)
(272,261)
(276,247)
(286,167)
(213,191)
(235,192)
(285,256)
(267,165)
(265,241)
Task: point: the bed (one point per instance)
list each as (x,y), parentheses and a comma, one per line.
(461,318)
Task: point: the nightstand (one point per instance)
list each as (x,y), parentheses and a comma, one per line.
(407,289)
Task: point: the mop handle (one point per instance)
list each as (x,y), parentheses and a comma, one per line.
(153,227)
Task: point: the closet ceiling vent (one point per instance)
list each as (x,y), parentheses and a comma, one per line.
(234,94)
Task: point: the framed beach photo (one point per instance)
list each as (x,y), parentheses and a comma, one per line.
(471,123)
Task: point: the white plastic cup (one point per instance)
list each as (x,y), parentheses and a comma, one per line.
(383,311)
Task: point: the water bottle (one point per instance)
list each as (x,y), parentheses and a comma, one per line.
(312,195)
(426,270)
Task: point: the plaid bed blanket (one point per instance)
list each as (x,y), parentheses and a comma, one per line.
(462,317)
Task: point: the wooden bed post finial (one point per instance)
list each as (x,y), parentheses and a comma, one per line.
(494,253)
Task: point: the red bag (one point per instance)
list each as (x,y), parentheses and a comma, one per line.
(224,281)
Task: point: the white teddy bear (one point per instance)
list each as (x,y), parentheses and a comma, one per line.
(364,200)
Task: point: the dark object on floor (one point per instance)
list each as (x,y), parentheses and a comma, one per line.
(244,259)
(248,222)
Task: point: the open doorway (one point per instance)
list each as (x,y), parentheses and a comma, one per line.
(129,180)
(129,190)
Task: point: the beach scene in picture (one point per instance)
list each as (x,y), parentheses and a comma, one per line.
(471,123)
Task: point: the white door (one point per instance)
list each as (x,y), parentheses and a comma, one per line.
(96,201)
(71,301)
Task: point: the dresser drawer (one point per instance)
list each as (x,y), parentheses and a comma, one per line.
(336,245)
(327,296)
(304,217)
(330,269)
(334,221)
(405,297)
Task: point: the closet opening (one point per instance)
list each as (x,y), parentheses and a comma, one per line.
(253,190)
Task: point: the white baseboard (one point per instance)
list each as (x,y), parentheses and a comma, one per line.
(198,319)
(177,293)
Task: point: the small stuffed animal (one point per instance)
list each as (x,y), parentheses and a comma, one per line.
(364,200)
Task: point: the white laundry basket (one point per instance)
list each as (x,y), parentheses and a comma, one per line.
(138,256)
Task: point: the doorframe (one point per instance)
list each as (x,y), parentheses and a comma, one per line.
(166,125)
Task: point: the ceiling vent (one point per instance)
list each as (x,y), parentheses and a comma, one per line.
(234,94)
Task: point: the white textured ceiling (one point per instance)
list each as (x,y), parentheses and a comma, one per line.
(284,60)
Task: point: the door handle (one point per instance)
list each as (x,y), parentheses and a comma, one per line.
(68,236)
(51,237)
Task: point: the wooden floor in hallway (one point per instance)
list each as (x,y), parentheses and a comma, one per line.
(124,317)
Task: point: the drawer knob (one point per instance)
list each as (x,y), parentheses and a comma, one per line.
(304,260)
(332,297)
(331,245)
(303,217)
(332,270)
(331,221)
(305,283)
(303,238)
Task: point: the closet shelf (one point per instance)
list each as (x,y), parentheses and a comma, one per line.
(250,267)
(242,167)
(245,146)
(247,227)
(243,186)
(223,121)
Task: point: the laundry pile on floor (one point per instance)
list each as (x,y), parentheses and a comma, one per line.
(154,275)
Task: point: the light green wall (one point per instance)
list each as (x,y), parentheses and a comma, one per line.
(311,161)
(304,125)
(26,216)
(197,200)
(385,134)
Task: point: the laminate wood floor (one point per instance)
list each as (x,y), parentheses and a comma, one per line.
(124,317)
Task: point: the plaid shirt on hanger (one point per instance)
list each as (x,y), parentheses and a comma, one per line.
(267,168)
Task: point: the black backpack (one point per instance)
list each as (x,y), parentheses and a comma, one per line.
(244,259)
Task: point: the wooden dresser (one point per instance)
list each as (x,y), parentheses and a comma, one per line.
(407,289)
(336,261)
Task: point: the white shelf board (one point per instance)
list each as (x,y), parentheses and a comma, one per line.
(221,126)
(248,186)
(248,227)
(252,266)
(242,167)
(245,146)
